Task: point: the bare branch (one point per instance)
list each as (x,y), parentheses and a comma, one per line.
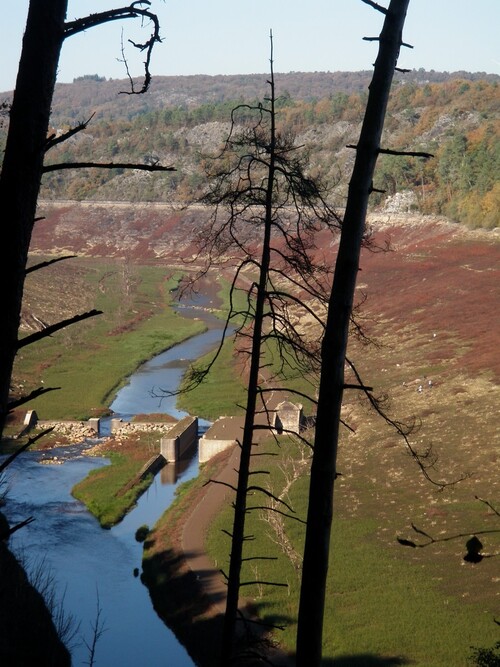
(42,265)
(29,397)
(6,533)
(378,39)
(388,151)
(271,495)
(263,583)
(488,504)
(437,540)
(98,628)
(424,460)
(218,481)
(52,328)
(376,6)
(105,165)
(132,11)
(266,508)
(53,140)
(23,448)
(358,386)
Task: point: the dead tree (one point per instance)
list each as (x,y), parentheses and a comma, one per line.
(334,344)
(267,215)
(27,144)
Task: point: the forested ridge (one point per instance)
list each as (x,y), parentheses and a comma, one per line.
(183,120)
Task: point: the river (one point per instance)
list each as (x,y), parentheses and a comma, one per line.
(89,563)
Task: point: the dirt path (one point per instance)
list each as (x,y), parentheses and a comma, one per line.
(194,534)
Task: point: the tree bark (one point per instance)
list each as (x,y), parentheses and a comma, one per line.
(22,166)
(323,469)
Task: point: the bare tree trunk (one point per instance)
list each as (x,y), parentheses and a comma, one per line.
(323,470)
(27,143)
(240,507)
(22,166)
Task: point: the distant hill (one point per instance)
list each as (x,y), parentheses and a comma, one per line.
(182,119)
(94,94)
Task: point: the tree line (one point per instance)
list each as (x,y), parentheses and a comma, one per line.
(456,121)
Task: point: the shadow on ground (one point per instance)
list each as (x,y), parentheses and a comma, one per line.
(179,601)
(365,660)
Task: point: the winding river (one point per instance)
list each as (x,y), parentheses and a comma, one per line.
(93,566)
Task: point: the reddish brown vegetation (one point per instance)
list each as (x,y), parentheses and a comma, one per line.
(443,282)
(131,324)
(438,278)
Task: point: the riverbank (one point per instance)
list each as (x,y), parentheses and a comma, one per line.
(430,313)
(91,361)
(175,590)
(90,566)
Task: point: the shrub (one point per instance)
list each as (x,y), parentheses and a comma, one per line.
(141,533)
(486,657)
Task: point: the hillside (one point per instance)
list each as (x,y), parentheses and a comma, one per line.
(444,273)
(93,94)
(182,120)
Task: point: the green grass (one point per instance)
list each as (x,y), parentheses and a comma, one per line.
(425,605)
(379,602)
(100,489)
(90,360)
(222,392)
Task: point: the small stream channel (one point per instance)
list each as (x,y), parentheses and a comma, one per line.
(90,563)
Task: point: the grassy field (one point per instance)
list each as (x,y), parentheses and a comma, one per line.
(424,605)
(90,360)
(223,391)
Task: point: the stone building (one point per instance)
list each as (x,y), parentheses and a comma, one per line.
(227,431)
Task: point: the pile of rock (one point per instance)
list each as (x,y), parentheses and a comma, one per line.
(401,202)
(76,431)
(121,428)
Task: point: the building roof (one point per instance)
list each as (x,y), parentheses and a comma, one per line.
(231,428)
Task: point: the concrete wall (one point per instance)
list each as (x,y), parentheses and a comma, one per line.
(226,430)
(208,448)
(30,419)
(154,464)
(179,439)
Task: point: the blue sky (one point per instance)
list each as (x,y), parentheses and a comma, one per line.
(231,37)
